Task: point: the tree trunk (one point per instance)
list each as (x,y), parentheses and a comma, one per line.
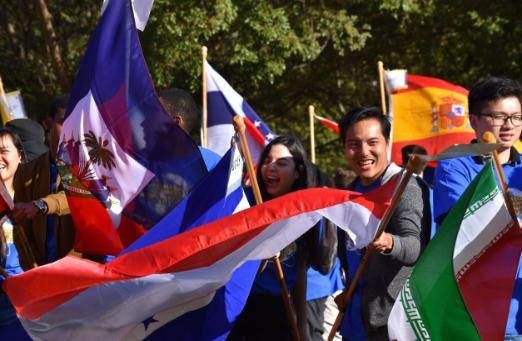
(58,65)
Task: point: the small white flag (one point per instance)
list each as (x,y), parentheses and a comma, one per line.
(141,9)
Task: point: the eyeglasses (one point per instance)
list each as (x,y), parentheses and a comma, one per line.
(498,119)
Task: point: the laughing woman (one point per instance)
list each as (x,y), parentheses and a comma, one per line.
(283,168)
(11,155)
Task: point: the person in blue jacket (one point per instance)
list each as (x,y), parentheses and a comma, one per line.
(283,168)
(494,106)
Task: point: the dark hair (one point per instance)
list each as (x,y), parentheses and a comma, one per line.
(359,114)
(491,90)
(178,102)
(59,102)
(17,141)
(344,177)
(302,165)
(412,149)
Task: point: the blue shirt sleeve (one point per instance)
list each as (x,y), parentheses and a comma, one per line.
(449,183)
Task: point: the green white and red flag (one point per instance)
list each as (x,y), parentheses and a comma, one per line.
(461,287)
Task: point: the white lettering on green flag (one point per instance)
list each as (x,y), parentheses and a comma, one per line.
(431,305)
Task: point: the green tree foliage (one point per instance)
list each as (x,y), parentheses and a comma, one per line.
(281,55)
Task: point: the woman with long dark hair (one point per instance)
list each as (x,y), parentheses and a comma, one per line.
(11,156)
(283,168)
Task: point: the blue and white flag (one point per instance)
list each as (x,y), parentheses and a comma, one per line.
(223,103)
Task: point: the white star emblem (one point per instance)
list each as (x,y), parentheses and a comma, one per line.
(257,124)
(269,136)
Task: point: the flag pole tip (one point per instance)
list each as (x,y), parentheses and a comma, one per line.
(239,123)
(204,51)
(488,137)
(415,164)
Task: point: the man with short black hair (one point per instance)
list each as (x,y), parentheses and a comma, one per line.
(180,105)
(494,106)
(365,134)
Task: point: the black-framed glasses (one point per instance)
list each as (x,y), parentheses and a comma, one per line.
(498,119)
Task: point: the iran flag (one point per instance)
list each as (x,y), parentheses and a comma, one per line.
(461,287)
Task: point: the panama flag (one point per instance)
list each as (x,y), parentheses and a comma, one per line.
(75,298)
(223,104)
(124,162)
(461,287)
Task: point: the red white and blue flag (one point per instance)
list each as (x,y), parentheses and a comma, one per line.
(75,298)
(124,162)
(217,196)
(223,103)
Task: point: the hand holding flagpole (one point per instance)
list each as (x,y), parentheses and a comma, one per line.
(239,127)
(204,95)
(343,300)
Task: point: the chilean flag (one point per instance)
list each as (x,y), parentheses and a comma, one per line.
(223,103)
(75,298)
(124,163)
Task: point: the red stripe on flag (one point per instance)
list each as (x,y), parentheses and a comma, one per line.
(94,228)
(330,124)
(195,248)
(129,231)
(416,82)
(254,132)
(492,276)
(433,145)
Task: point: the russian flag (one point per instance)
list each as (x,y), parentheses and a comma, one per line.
(223,103)
(75,298)
(124,162)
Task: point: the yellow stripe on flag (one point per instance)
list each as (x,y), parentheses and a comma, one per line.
(518,146)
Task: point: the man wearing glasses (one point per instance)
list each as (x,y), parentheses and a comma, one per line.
(495,106)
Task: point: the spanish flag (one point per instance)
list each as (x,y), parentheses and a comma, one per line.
(431,113)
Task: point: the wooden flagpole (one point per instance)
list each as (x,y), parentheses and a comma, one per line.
(4,98)
(343,300)
(311,114)
(380,67)
(488,137)
(239,127)
(204,95)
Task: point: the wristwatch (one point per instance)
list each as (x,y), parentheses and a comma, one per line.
(41,206)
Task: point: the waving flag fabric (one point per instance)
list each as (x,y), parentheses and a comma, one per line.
(76,298)
(223,103)
(461,287)
(431,113)
(218,196)
(124,162)
(141,10)
(333,126)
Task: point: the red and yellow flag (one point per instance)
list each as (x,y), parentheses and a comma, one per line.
(431,113)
